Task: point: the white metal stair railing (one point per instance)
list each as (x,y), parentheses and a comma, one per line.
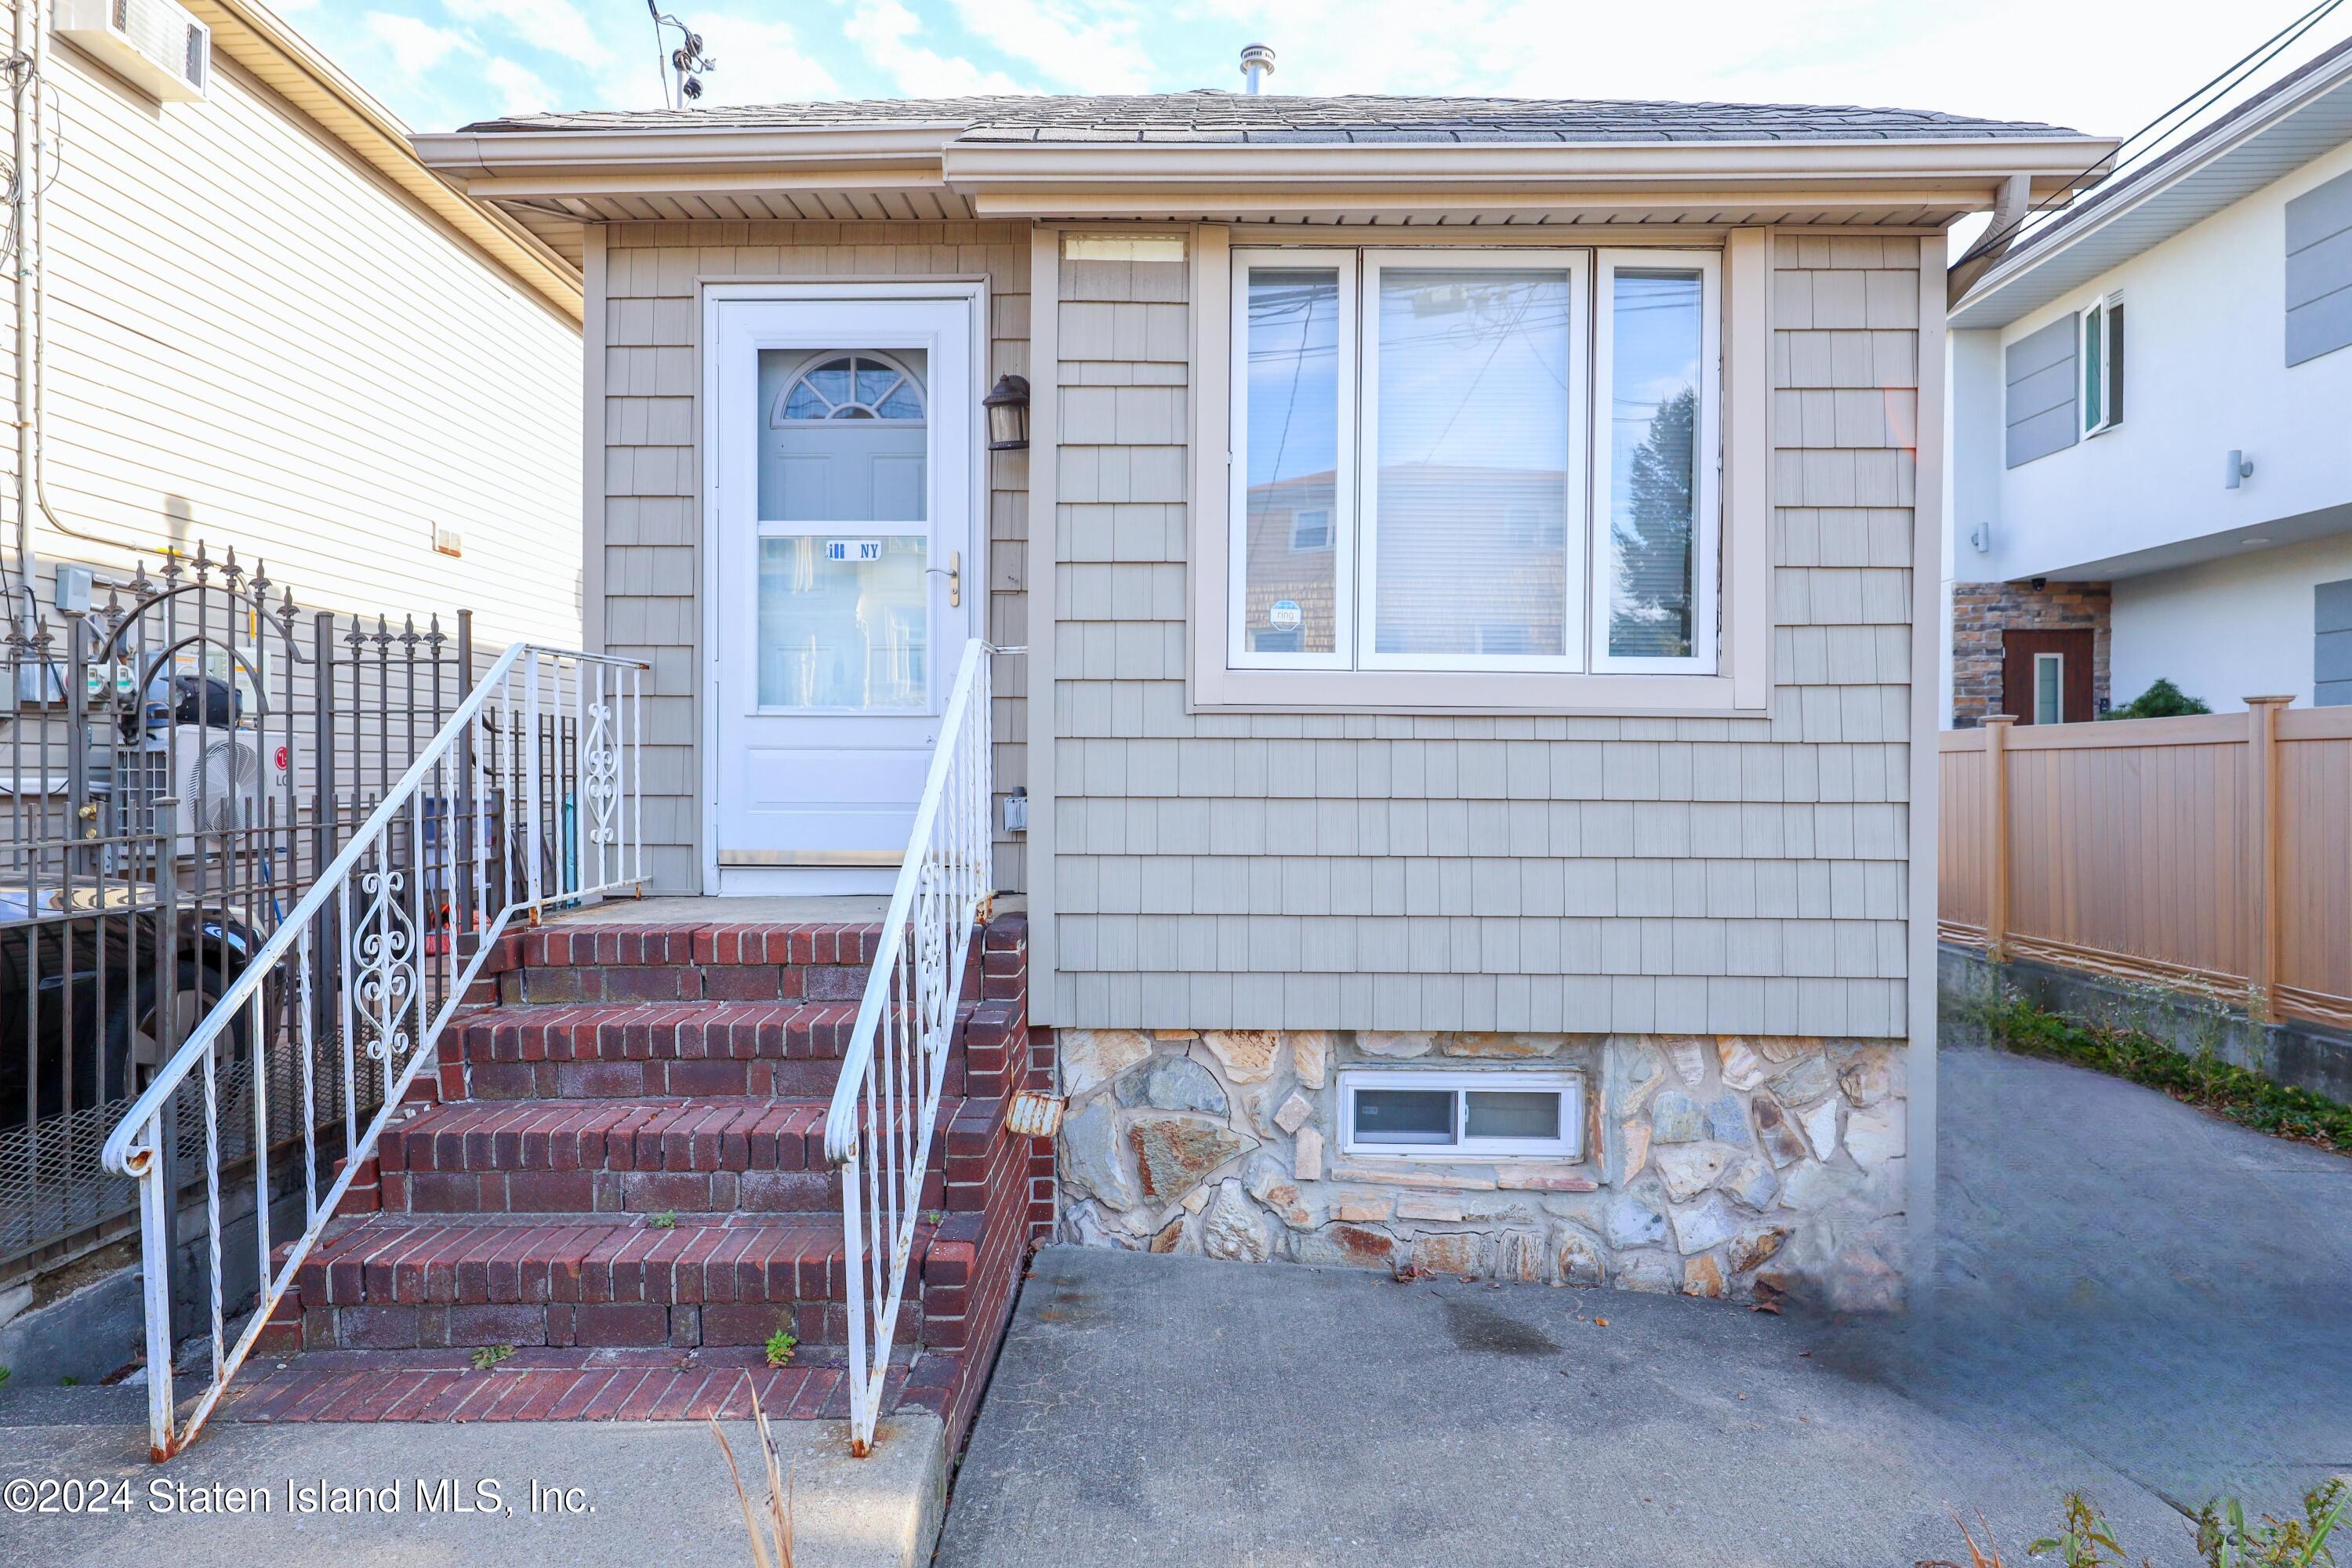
(529,796)
(885,1105)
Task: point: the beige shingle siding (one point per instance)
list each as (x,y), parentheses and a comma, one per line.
(1413,872)
(653,522)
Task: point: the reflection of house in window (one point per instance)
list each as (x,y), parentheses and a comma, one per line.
(1491,580)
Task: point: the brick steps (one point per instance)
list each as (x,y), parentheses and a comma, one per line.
(618,1156)
(542,1384)
(655,1050)
(610,1073)
(716,1281)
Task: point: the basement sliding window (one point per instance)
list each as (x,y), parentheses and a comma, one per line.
(1452,461)
(1521,1114)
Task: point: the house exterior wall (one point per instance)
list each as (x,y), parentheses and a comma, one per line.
(2206,371)
(1707,916)
(647,551)
(2192,625)
(1418,872)
(255,340)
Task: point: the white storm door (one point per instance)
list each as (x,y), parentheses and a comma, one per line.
(842,574)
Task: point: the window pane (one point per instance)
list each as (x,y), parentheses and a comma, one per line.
(842,623)
(2049,705)
(1405,1116)
(826,459)
(1511,1113)
(1293,445)
(1472,451)
(1655,344)
(2093,381)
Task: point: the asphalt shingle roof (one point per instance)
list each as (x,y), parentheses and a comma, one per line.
(1226,117)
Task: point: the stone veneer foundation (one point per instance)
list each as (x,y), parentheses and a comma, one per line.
(1746,1167)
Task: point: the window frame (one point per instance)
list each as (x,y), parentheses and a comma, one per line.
(2104,308)
(1343,463)
(1707,465)
(2057,660)
(1575,631)
(1567,1082)
(1742,686)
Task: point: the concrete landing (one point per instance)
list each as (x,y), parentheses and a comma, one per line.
(649,1492)
(2137,1300)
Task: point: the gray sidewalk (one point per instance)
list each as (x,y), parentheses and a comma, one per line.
(2138,1301)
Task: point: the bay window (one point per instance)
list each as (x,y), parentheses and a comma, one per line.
(1463,461)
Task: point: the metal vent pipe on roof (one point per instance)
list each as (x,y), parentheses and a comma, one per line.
(1257,64)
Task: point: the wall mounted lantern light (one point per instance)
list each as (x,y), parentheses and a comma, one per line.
(1008,414)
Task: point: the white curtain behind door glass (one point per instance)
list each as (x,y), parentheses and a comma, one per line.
(844,602)
(1655,345)
(1473,455)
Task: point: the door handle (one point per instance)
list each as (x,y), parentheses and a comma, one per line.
(954,571)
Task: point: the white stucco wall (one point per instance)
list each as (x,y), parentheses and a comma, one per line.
(2205,372)
(2229,629)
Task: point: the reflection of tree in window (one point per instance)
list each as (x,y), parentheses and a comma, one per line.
(1650,615)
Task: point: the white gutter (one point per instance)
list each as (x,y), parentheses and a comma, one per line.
(2054,163)
(679,150)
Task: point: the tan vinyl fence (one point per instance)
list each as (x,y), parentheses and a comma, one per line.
(2213,852)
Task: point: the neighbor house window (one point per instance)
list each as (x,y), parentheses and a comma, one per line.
(1482,460)
(2101,361)
(1521,1114)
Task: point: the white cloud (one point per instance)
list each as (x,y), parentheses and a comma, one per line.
(760,61)
(885,30)
(1094,47)
(415,46)
(520,89)
(554,25)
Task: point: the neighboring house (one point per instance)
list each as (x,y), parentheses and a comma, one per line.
(2151,473)
(1467,640)
(268,326)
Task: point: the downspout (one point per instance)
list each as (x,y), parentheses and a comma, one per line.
(20,204)
(31,56)
(2009,214)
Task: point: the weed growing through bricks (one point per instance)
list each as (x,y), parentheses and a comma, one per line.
(781,1345)
(665,1220)
(484,1357)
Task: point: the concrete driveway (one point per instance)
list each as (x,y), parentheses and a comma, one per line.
(2136,1301)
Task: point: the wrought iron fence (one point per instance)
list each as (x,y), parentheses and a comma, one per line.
(526,798)
(186,749)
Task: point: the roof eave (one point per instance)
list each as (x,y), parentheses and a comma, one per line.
(1981,303)
(598,158)
(1025,178)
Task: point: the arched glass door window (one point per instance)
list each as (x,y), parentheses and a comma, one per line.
(852,386)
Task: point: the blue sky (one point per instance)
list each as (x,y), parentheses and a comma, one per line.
(2096,65)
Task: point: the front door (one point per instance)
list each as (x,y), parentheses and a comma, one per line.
(841,444)
(2045,676)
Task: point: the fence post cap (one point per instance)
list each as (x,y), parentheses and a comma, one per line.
(2266,701)
(1990,718)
